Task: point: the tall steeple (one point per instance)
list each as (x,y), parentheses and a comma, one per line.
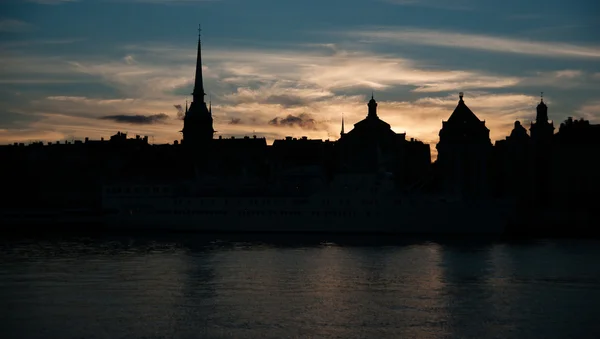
(198,123)
(199,84)
(342,132)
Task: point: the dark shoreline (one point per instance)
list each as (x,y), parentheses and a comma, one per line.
(97,229)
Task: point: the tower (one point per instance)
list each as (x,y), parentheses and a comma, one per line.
(198,123)
(464,152)
(543,129)
(542,132)
(372,107)
(342,132)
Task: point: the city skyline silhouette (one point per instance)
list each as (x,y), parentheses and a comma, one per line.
(356,168)
(70,84)
(370,173)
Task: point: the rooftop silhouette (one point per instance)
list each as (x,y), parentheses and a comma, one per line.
(366,171)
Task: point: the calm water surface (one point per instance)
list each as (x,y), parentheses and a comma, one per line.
(191,286)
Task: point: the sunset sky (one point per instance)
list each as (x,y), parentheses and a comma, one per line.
(71,69)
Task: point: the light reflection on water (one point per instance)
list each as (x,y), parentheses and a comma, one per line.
(197,287)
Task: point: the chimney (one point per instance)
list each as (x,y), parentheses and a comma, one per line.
(87,139)
(101,139)
(176,142)
(254,136)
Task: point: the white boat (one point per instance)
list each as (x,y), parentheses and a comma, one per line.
(350,204)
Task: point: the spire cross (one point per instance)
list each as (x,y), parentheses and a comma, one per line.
(199,31)
(542,96)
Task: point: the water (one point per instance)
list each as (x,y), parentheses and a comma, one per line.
(199,287)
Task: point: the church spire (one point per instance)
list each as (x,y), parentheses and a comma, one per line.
(198,122)
(342,133)
(198,84)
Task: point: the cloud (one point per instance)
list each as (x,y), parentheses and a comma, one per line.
(13,26)
(458,5)
(51,2)
(561,79)
(180,112)
(304,121)
(329,69)
(568,74)
(590,111)
(346,70)
(137,119)
(403,35)
(282,93)
(167,2)
(306,89)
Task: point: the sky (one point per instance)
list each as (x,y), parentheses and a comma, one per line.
(71,69)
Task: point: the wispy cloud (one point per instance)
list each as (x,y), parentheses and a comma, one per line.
(590,110)
(169,1)
(51,2)
(11,45)
(13,25)
(334,69)
(274,93)
(561,79)
(137,119)
(478,42)
(459,5)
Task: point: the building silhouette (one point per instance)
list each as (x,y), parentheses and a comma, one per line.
(464,152)
(552,176)
(198,122)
